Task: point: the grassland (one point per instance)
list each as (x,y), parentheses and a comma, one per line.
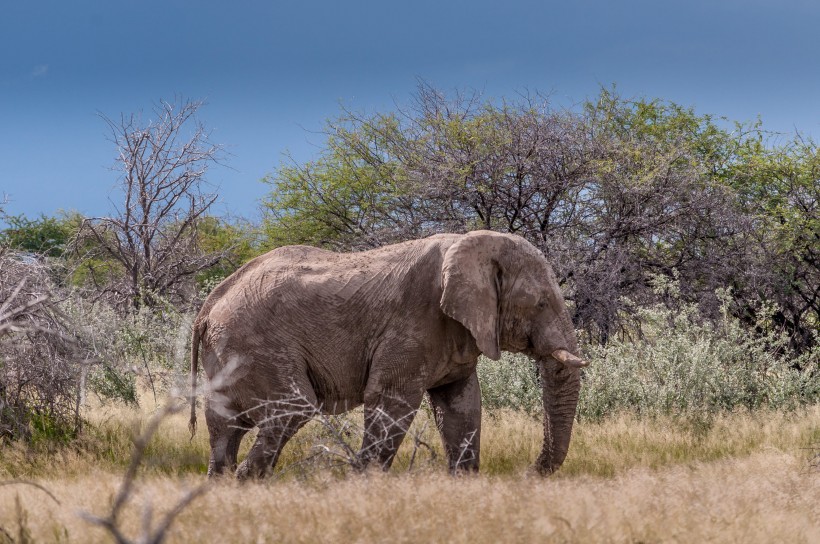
(741,477)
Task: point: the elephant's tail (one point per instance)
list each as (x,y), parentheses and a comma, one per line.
(196,334)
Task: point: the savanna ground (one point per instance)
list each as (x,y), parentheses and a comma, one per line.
(739,477)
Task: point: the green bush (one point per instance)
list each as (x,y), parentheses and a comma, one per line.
(679,366)
(673,364)
(511,382)
(45,235)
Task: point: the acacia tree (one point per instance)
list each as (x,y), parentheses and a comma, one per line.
(616,193)
(356,194)
(152,234)
(441,164)
(612,193)
(779,188)
(655,203)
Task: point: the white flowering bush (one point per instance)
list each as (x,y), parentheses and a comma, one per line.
(145,350)
(512,382)
(672,364)
(680,366)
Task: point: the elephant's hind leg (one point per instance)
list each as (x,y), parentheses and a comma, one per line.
(278,426)
(226,434)
(240,429)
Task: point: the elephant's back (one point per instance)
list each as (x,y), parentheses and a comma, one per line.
(290,283)
(272,264)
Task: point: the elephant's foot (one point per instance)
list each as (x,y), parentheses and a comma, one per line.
(247,471)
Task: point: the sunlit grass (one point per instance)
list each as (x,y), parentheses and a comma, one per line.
(737,477)
(510,443)
(765,497)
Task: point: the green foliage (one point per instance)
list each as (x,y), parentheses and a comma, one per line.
(237,241)
(351,188)
(114,383)
(512,382)
(670,129)
(93,272)
(46,235)
(78,263)
(680,366)
(47,429)
(778,186)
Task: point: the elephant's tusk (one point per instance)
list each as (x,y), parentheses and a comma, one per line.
(569,359)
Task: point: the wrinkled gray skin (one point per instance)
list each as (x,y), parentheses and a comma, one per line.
(380,328)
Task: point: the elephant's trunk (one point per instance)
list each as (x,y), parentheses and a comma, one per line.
(560,387)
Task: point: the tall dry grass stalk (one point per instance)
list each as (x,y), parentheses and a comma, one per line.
(510,442)
(766,497)
(742,478)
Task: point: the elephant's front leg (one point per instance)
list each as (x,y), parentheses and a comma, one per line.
(457,407)
(387,417)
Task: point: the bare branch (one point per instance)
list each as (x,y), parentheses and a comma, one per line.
(32,484)
(162,165)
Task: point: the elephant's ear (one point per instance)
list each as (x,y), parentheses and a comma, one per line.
(471,278)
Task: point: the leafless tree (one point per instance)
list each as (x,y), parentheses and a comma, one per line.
(152,234)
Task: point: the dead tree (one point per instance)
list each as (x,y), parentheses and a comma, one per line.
(152,234)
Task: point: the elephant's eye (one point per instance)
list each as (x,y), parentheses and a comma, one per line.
(541,304)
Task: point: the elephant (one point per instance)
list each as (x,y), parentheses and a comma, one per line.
(380,328)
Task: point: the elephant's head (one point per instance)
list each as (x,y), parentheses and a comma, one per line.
(503,290)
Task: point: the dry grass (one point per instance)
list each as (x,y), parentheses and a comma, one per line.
(767,497)
(743,478)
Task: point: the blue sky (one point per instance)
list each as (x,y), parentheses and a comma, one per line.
(273,71)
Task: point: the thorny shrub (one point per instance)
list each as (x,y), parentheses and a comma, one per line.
(512,382)
(147,349)
(680,366)
(41,361)
(56,346)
